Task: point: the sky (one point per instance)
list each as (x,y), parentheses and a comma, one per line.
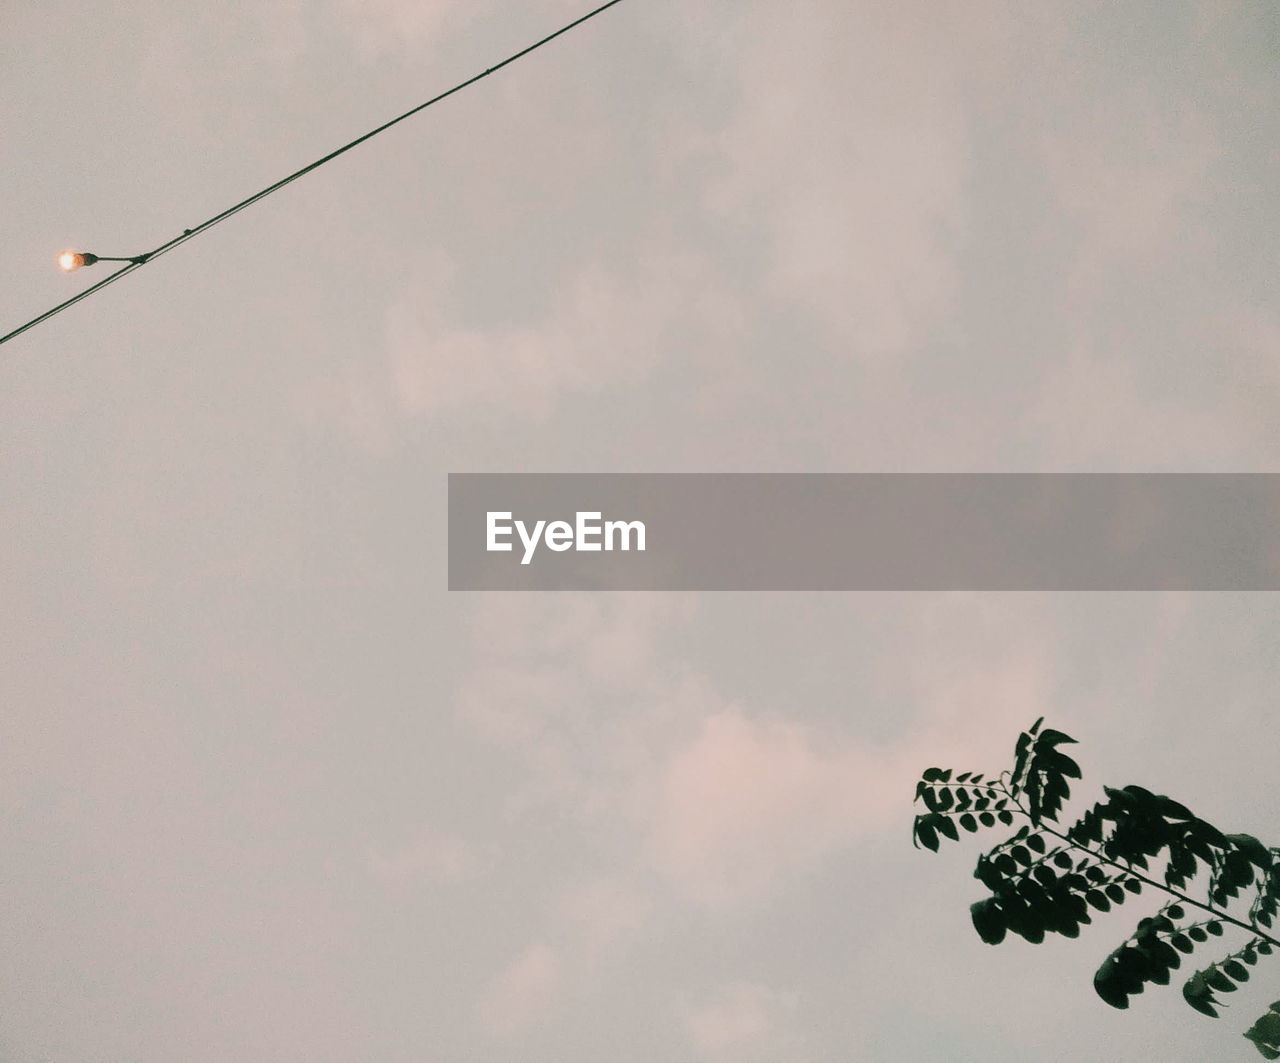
(268,791)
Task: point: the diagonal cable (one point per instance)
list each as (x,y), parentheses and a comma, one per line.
(187,234)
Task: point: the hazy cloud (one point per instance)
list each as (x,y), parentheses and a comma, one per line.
(524,992)
(750,801)
(741,1020)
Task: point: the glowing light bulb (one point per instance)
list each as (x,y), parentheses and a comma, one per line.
(73,260)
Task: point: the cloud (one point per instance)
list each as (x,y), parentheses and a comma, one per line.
(752,800)
(613,729)
(1095,414)
(853,173)
(540,664)
(523,994)
(963,672)
(352,395)
(602,915)
(430,857)
(386,28)
(382,29)
(605,329)
(726,802)
(740,1019)
(1129,202)
(1248,337)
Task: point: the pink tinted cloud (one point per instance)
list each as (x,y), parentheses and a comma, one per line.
(751,800)
(385,28)
(1095,414)
(604,330)
(388,28)
(1130,201)
(609,327)
(602,915)
(754,798)
(539,663)
(1246,338)
(728,802)
(431,856)
(741,1019)
(523,994)
(854,175)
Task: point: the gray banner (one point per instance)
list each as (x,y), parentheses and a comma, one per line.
(865,531)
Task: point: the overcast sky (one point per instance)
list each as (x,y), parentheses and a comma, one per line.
(268,792)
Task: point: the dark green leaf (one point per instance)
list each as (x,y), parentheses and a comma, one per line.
(1020,755)
(1219,981)
(1170,809)
(1252,849)
(1265,1033)
(1111,984)
(925,834)
(1197,993)
(1165,957)
(988,921)
(1236,970)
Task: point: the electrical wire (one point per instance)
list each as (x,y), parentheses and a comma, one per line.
(138,261)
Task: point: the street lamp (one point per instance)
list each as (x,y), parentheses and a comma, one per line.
(69,261)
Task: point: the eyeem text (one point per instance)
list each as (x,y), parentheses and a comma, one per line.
(587,532)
